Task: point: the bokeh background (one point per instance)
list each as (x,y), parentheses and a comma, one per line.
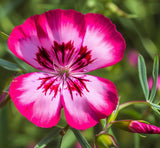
(139,23)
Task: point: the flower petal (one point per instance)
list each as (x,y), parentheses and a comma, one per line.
(78,113)
(38,105)
(103,40)
(87,99)
(61,26)
(34,40)
(24,42)
(102,95)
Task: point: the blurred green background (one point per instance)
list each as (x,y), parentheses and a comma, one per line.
(139,23)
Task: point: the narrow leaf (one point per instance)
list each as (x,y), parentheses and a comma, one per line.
(18,62)
(51,136)
(4,35)
(114,114)
(155,106)
(9,65)
(81,139)
(155,77)
(156,111)
(143,76)
(103,123)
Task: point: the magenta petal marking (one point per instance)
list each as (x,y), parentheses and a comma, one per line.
(43,109)
(139,127)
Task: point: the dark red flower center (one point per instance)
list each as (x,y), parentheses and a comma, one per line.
(64,60)
(64,55)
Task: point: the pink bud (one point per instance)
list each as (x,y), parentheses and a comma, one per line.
(132,57)
(137,126)
(150,83)
(140,127)
(78,145)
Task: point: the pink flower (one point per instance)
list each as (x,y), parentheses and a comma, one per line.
(65,44)
(132,57)
(78,145)
(137,126)
(150,83)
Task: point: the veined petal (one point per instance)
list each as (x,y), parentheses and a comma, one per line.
(103,40)
(61,26)
(78,113)
(25,44)
(87,99)
(40,106)
(36,40)
(102,95)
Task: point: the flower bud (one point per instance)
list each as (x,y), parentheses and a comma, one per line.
(150,83)
(122,124)
(137,126)
(140,127)
(105,141)
(132,57)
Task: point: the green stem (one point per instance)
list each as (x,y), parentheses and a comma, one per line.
(146,113)
(4,35)
(136,140)
(62,133)
(124,105)
(64,130)
(59,126)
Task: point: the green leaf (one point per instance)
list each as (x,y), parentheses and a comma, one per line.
(114,114)
(9,65)
(19,62)
(155,77)
(81,139)
(5,36)
(155,105)
(103,123)
(48,138)
(156,111)
(143,76)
